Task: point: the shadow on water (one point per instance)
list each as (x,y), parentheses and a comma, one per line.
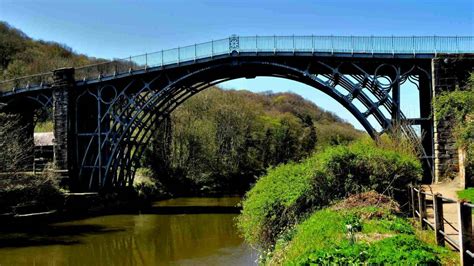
(134,239)
(43,235)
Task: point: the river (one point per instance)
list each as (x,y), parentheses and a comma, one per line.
(135,239)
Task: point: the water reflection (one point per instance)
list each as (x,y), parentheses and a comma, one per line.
(148,239)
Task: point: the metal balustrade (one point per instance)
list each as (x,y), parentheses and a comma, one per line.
(354,45)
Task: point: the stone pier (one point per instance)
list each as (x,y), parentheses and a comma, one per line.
(448,73)
(63,91)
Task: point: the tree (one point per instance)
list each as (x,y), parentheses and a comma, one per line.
(16,153)
(222,140)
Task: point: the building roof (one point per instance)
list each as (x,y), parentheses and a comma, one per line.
(44,139)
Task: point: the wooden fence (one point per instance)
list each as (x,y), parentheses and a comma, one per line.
(428,209)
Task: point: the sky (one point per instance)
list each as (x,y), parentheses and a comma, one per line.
(117,29)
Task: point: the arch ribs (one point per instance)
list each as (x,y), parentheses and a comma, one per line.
(115,120)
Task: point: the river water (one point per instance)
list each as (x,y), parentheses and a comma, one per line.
(135,239)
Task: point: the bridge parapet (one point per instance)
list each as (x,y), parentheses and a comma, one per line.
(353,46)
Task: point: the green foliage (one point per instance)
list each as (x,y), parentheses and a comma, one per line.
(46,126)
(322,239)
(466,194)
(219,141)
(458,107)
(288,192)
(146,187)
(20,55)
(397,250)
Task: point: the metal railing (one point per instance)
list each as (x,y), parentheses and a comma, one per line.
(411,45)
(421,202)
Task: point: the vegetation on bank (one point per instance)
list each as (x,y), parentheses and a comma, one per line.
(458,107)
(28,193)
(219,141)
(21,191)
(363,229)
(290,192)
(466,194)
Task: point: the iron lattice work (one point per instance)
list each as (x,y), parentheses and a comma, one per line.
(115,120)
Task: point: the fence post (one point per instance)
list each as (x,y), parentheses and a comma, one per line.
(465,232)
(413,206)
(438,218)
(421,208)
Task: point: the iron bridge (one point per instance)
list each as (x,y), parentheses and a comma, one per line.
(104,114)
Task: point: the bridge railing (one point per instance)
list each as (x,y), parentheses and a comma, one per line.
(411,45)
(430,210)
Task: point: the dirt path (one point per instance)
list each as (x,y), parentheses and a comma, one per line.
(450,212)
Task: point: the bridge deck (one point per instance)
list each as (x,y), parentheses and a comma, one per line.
(334,46)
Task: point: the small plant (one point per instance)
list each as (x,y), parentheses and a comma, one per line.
(353,225)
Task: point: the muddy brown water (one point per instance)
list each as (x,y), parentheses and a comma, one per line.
(135,239)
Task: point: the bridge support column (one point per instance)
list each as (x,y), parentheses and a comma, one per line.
(63,92)
(426,126)
(448,73)
(396,101)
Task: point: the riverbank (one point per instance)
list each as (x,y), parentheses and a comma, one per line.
(363,229)
(318,211)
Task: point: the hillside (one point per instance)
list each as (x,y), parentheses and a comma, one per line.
(20,55)
(221,140)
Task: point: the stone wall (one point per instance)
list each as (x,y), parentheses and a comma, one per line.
(448,72)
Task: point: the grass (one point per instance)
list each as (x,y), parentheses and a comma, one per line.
(382,238)
(466,194)
(44,127)
(290,192)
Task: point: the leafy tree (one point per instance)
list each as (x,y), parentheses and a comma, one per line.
(220,141)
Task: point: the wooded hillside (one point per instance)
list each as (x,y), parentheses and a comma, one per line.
(221,140)
(20,55)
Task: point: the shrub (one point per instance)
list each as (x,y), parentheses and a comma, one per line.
(41,191)
(289,192)
(146,187)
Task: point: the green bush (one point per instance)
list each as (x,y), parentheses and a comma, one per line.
(146,187)
(288,192)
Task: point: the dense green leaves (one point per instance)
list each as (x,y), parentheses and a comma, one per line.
(220,140)
(288,192)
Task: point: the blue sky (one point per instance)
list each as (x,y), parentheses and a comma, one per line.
(117,29)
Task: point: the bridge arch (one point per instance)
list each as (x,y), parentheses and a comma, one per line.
(135,109)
